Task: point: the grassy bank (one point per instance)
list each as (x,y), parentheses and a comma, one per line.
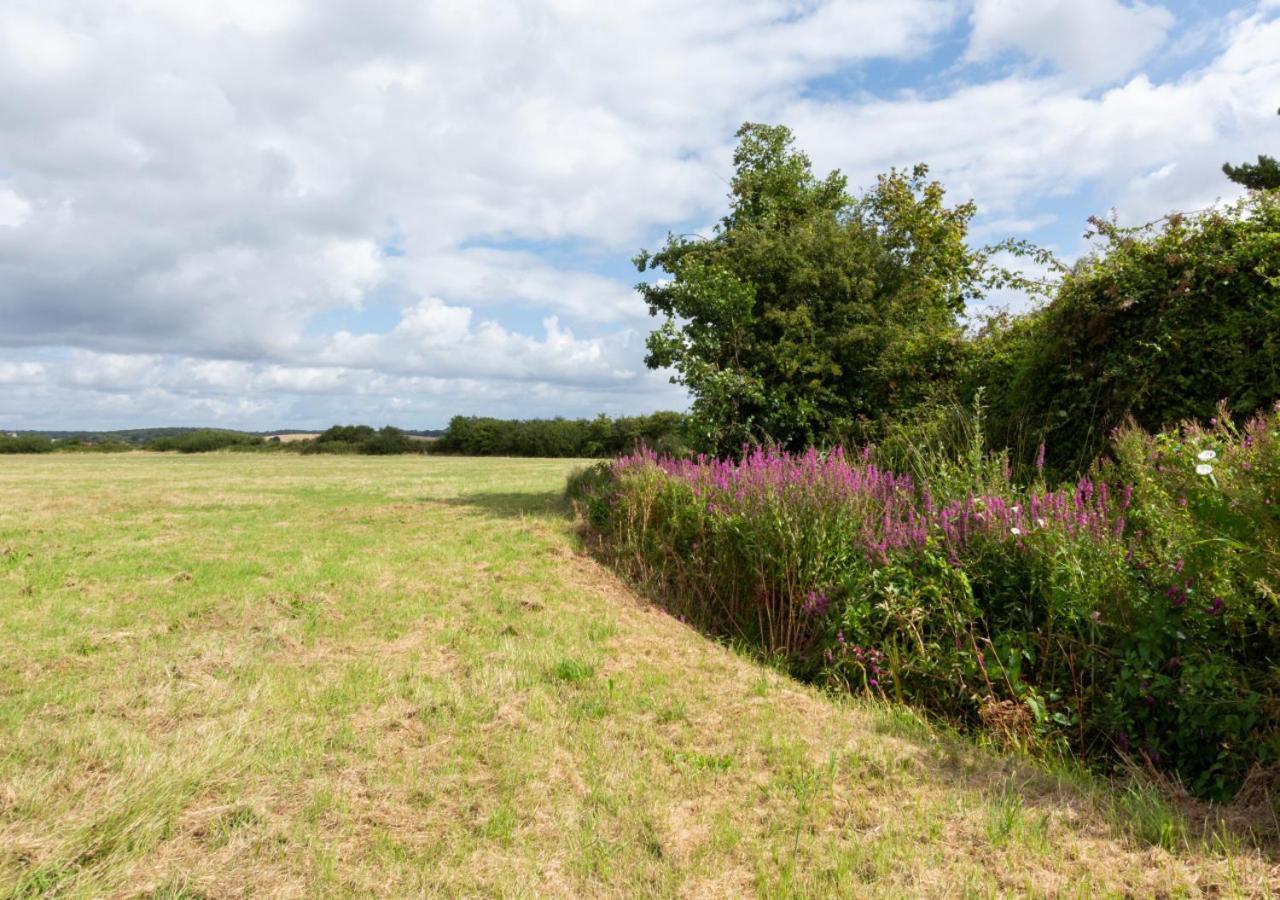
(337,676)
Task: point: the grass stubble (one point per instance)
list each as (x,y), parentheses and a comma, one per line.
(237,675)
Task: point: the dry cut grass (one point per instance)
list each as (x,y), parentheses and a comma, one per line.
(251,675)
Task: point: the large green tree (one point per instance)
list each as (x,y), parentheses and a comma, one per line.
(809,309)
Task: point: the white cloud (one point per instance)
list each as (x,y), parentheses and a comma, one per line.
(13,209)
(435,337)
(252,16)
(1014,141)
(1092,41)
(21,373)
(166,390)
(39,46)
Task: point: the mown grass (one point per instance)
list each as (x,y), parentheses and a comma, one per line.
(328,676)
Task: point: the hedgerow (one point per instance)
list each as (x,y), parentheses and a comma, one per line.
(1133,613)
(1161,324)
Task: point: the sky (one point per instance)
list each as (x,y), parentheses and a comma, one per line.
(283,214)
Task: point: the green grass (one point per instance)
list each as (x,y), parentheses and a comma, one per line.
(335,676)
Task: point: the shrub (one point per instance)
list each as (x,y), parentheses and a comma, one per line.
(204,440)
(1131,613)
(1162,324)
(388,441)
(352,439)
(26,443)
(95,446)
(345,434)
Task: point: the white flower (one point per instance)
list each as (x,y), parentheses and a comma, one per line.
(1206,455)
(1040,523)
(1015,531)
(1204,469)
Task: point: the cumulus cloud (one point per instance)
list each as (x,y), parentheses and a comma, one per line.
(1014,141)
(207,178)
(1093,41)
(281,211)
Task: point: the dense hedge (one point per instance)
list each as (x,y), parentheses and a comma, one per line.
(35,443)
(598,437)
(363,439)
(204,440)
(26,444)
(1132,613)
(1163,324)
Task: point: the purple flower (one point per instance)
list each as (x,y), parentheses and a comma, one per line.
(815,603)
(1217,607)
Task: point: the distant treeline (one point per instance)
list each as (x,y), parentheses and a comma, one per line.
(598,437)
(466,435)
(120,439)
(34,443)
(336,439)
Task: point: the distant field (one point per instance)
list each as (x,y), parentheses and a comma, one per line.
(290,438)
(329,676)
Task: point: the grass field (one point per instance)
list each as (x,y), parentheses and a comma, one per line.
(262,675)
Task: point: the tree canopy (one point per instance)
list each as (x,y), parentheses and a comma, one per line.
(1264,175)
(809,309)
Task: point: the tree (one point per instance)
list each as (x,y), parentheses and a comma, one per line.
(1264,175)
(809,309)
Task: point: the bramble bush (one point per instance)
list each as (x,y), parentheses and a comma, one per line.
(1160,324)
(1132,613)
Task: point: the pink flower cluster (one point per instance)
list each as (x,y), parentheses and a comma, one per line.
(888,511)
